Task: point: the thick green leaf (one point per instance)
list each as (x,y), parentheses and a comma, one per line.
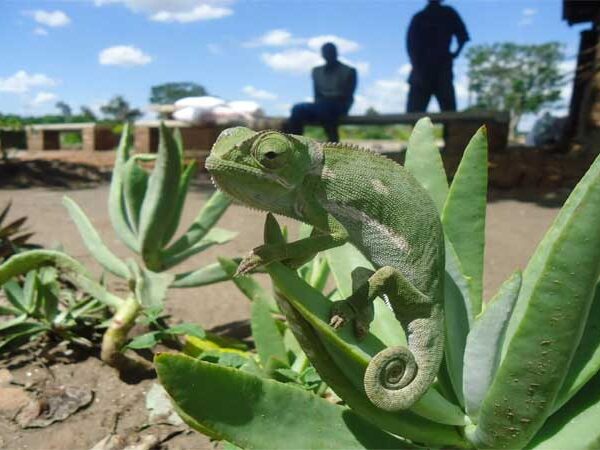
(190,329)
(319,273)
(208,216)
(484,344)
(135,184)
(151,287)
(20,334)
(424,162)
(93,242)
(575,426)
(557,293)
(458,317)
(216,236)
(14,294)
(464,213)
(24,262)
(116,201)
(212,273)
(146,340)
(184,185)
(586,361)
(268,339)
(257,413)
(247,284)
(161,196)
(341,360)
(30,291)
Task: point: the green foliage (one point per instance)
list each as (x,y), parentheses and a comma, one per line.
(515,78)
(42,305)
(367,132)
(145,210)
(13,237)
(118,109)
(521,372)
(168,93)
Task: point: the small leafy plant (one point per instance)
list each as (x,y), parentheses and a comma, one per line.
(43,305)
(145,209)
(13,238)
(520,371)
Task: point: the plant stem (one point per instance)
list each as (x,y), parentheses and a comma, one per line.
(116,335)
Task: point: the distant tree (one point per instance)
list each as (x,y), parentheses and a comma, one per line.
(87,114)
(167,93)
(65,110)
(119,110)
(515,78)
(371,111)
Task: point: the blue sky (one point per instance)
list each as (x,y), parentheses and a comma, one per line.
(84,52)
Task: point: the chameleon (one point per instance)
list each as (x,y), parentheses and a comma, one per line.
(350,194)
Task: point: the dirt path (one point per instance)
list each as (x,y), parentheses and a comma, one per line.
(513,230)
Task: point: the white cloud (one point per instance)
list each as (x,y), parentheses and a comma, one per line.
(259,94)
(123,55)
(296,61)
(40,31)
(343,45)
(405,69)
(22,81)
(274,38)
(527,15)
(363,67)
(42,98)
(202,12)
(50,18)
(181,11)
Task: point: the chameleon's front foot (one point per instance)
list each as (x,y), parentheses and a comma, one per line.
(343,311)
(248,264)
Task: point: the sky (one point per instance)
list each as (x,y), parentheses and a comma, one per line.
(83,52)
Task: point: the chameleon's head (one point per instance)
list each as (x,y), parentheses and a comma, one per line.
(260,169)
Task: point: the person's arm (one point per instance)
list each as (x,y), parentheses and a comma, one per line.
(318,95)
(351,85)
(461,34)
(411,42)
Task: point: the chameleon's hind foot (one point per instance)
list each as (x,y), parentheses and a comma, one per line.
(343,311)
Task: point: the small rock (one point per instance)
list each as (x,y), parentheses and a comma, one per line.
(6,377)
(12,400)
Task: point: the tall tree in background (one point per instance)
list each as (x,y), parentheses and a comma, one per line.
(171,92)
(515,78)
(65,110)
(118,109)
(87,114)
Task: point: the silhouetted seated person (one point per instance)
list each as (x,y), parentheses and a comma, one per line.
(334,85)
(428,43)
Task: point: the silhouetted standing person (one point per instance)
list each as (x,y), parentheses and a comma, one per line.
(428,43)
(334,84)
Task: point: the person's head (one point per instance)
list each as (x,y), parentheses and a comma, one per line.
(434,2)
(329,52)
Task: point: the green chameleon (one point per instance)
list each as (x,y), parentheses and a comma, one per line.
(349,194)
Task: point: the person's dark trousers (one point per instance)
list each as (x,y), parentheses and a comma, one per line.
(326,113)
(439,85)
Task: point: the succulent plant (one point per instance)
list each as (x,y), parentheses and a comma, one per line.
(519,371)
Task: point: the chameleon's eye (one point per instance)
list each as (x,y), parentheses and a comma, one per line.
(272,151)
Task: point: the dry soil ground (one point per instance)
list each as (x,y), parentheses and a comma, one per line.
(514,227)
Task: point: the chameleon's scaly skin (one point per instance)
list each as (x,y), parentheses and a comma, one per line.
(351,195)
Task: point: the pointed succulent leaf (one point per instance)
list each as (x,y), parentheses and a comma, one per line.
(24,262)
(424,162)
(116,200)
(484,344)
(93,241)
(14,294)
(458,316)
(208,216)
(574,426)
(210,274)
(258,419)
(267,337)
(151,287)
(161,195)
(20,334)
(557,294)
(341,360)
(586,361)
(184,185)
(464,213)
(216,236)
(135,184)
(248,285)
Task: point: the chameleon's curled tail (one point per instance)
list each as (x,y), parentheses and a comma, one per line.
(393,380)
